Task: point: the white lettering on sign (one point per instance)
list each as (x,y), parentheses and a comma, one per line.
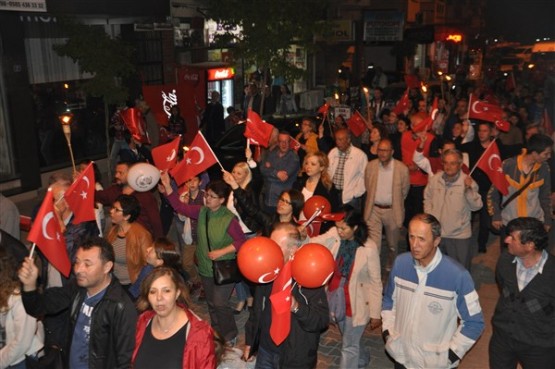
(169,100)
(224,73)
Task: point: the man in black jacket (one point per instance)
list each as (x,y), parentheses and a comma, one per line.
(524,318)
(102,316)
(309,317)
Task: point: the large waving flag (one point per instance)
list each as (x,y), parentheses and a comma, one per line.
(165,156)
(356,124)
(490,112)
(80,196)
(199,158)
(490,163)
(46,233)
(257,129)
(281,305)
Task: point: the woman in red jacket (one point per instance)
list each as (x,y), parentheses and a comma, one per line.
(169,335)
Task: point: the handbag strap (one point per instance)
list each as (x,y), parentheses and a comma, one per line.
(206,229)
(519,191)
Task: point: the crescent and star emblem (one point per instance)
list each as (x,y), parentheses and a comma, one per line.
(473,107)
(45,220)
(490,162)
(201,155)
(262,278)
(171,156)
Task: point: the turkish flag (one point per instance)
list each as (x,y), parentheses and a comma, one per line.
(46,233)
(490,163)
(257,129)
(356,124)
(412,81)
(165,156)
(402,104)
(324,109)
(281,305)
(80,196)
(434,109)
(502,125)
(135,122)
(199,158)
(294,144)
(484,111)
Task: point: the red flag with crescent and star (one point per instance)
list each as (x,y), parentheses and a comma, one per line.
(257,129)
(281,305)
(294,144)
(484,110)
(356,124)
(199,158)
(47,234)
(490,163)
(165,156)
(80,196)
(323,109)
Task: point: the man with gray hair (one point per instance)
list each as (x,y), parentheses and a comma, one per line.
(451,196)
(430,311)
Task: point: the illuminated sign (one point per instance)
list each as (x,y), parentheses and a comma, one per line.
(168,100)
(455,37)
(220,73)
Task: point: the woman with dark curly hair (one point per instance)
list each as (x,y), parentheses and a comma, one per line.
(129,239)
(169,335)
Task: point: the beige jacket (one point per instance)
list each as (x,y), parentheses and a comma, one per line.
(365,285)
(400,190)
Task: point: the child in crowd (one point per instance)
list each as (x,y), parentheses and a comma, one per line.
(162,252)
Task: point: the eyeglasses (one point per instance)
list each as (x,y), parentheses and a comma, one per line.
(284,201)
(208,196)
(117,210)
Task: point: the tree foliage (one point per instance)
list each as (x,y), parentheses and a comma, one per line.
(108,59)
(269,29)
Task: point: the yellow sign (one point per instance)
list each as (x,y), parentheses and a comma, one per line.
(455,38)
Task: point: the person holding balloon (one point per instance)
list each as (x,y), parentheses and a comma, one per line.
(290,309)
(355,289)
(219,237)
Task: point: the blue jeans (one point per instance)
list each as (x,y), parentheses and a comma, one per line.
(266,359)
(20,365)
(350,345)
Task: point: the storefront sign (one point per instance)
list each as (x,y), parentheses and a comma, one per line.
(23,5)
(383,26)
(454,37)
(220,73)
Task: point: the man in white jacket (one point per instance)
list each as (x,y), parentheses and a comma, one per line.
(451,196)
(431,312)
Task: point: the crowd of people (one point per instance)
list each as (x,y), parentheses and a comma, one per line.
(415,187)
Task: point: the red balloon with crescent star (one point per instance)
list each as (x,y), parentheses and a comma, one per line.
(313,204)
(260,260)
(312,265)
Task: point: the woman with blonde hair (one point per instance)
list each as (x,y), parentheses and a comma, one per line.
(169,335)
(20,334)
(316,180)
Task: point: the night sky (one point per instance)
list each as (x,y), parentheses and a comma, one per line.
(520,20)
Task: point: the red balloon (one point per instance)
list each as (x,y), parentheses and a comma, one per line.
(314,203)
(260,260)
(312,265)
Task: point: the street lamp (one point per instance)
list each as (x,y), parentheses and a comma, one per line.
(65,119)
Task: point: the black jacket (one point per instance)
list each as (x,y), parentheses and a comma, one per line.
(300,348)
(113,321)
